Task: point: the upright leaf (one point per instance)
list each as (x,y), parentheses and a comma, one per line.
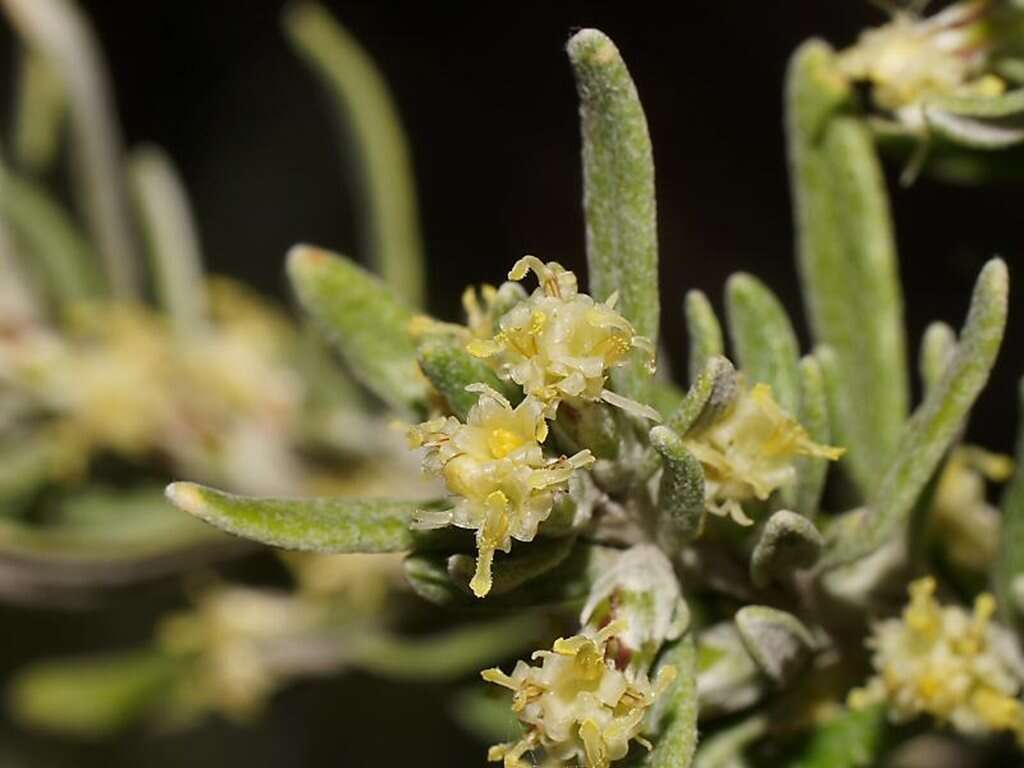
(814,416)
(704,331)
(937,348)
(763,339)
(41,112)
(680,491)
(365,320)
(618,193)
(172,238)
(934,425)
(676,727)
(315,525)
(375,144)
(59,33)
(847,260)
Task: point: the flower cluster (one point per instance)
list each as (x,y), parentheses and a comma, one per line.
(940,660)
(495,466)
(911,59)
(749,452)
(559,344)
(578,708)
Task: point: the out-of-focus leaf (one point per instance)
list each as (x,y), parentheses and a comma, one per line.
(680,491)
(934,425)
(618,194)
(1009,564)
(851,739)
(450,368)
(487,714)
(727,677)
(92,697)
(964,105)
(314,525)
(777,641)
(365,320)
(704,332)
(724,749)
(25,465)
(102,539)
(450,654)
(847,261)
(813,415)
(41,110)
(937,349)
(514,570)
(763,339)
(788,542)
(375,143)
(676,720)
(172,238)
(59,253)
(58,32)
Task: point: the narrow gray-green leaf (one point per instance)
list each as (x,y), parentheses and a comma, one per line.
(788,542)
(172,238)
(618,194)
(676,739)
(46,235)
(41,110)
(847,260)
(763,338)
(938,345)
(777,641)
(59,32)
(92,697)
(316,525)
(935,424)
(704,332)
(711,393)
(376,144)
(365,320)
(725,748)
(814,417)
(1009,564)
(450,368)
(512,571)
(680,491)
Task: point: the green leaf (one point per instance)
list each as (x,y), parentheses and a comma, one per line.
(92,697)
(813,415)
(937,349)
(934,425)
(59,33)
(1005,104)
(40,113)
(51,242)
(486,712)
(449,654)
(704,330)
(788,542)
(172,239)
(374,142)
(676,742)
(680,490)
(1009,563)
(724,749)
(847,261)
(851,739)
(763,338)
(365,320)
(712,392)
(314,525)
(510,572)
(777,641)
(450,368)
(618,194)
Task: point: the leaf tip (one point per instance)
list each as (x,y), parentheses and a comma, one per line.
(187,497)
(591,46)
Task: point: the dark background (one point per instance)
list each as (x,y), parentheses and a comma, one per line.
(488,100)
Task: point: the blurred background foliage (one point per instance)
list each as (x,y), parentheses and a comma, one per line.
(489,105)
